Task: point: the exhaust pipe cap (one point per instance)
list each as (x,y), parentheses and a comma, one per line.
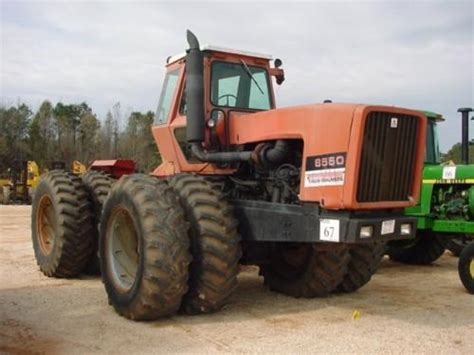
(192,41)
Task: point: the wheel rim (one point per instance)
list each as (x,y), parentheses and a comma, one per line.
(46,225)
(471,268)
(122,249)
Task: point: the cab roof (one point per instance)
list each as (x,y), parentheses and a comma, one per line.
(434,116)
(212,48)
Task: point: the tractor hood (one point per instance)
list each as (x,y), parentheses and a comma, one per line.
(333,132)
(448,174)
(329,124)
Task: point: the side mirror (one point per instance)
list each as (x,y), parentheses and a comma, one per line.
(278,73)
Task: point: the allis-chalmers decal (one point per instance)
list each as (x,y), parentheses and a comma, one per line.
(325,170)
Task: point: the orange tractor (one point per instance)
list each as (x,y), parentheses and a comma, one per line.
(310,193)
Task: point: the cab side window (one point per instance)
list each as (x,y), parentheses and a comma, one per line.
(166,97)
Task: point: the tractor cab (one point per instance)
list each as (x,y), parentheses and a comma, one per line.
(432,153)
(234,83)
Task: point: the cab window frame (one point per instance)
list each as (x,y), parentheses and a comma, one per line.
(238,108)
(432,151)
(165,85)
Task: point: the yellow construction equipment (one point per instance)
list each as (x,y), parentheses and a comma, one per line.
(78,168)
(20,181)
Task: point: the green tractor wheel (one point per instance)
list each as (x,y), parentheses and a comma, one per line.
(466,268)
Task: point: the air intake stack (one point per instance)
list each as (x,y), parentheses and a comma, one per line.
(465,134)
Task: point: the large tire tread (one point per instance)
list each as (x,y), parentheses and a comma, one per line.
(424,250)
(364,262)
(458,242)
(215,244)
(324,271)
(98,186)
(73,243)
(162,276)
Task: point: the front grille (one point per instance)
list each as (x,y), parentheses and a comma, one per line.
(388,157)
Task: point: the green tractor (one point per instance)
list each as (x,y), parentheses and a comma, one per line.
(445,211)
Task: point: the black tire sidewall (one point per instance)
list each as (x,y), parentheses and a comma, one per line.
(424,249)
(464,268)
(89,180)
(45,261)
(120,199)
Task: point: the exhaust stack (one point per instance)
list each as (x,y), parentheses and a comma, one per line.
(194,90)
(195,126)
(465,134)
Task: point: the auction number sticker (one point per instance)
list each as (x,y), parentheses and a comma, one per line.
(449,172)
(325,170)
(329,230)
(388,227)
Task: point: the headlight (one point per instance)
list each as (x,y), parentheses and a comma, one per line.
(211,123)
(366,231)
(405,229)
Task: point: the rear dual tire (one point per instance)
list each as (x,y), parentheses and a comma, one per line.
(61,225)
(97,185)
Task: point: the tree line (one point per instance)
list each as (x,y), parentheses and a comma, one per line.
(454,154)
(67,132)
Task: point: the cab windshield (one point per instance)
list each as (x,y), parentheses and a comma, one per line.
(240,86)
(432,155)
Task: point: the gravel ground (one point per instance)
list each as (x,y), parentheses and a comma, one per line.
(403,309)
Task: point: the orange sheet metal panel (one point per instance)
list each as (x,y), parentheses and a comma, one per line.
(326,129)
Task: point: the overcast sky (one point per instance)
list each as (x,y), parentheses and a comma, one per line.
(416,54)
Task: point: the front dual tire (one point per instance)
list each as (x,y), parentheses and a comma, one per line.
(144,248)
(167,246)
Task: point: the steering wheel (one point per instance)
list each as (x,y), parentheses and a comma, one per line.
(227,96)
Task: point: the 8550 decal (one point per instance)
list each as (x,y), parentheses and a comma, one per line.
(325,170)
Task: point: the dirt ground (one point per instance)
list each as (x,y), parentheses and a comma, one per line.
(402,310)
